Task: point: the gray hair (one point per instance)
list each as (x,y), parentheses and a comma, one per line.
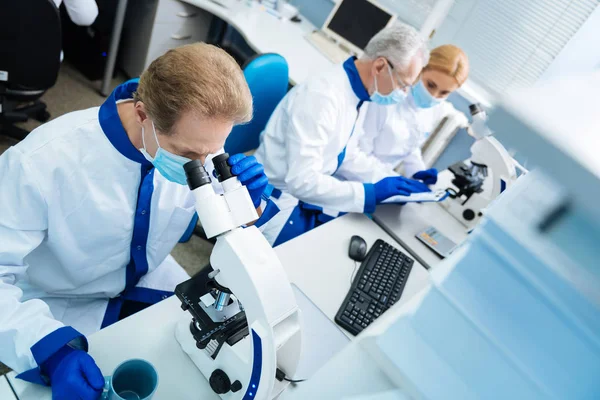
(398,43)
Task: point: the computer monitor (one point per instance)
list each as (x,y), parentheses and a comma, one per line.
(354,22)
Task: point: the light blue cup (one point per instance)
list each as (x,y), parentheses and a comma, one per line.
(132,380)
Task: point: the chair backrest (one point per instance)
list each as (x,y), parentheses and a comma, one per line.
(30,42)
(267,77)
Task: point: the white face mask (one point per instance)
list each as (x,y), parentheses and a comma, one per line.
(168,164)
(396,96)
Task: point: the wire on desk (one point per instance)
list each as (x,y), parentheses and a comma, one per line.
(353,272)
(281,376)
(294,380)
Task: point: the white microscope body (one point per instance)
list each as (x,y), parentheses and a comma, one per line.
(247,323)
(473,185)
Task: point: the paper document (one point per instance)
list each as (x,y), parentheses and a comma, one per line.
(435,196)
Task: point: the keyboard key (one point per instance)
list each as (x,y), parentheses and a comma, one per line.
(384,299)
(367,287)
(347,320)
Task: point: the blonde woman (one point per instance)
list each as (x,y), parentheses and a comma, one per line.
(395,134)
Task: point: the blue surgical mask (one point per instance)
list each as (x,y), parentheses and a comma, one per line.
(396,96)
(422,97)
(168,164)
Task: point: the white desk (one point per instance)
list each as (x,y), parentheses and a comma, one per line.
(6,392)
(316,262)
(266,33)
(404,222)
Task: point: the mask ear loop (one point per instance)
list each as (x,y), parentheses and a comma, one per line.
(143,139)
(376,90)
(392,76)
(155,137)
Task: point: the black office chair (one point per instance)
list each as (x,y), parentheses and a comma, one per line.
(30,44)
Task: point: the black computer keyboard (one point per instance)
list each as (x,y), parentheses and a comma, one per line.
(377,286)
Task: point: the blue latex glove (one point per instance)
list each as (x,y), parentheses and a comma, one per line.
(397,186)
(251,174)
(73,375)
(429,176)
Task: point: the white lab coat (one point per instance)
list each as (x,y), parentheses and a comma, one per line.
(302,142)
(81,12)
(396,134)
(71,220)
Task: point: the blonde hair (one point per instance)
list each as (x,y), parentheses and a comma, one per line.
(200,78)
(451,61)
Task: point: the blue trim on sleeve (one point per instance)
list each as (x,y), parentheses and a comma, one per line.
(370,199)
(355,82)
(111,123)
(48,346)
(267,192)
(276,193)
(52,342)
(33,375)
(269,212)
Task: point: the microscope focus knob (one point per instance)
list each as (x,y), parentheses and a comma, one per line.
(236,386)
(469,214)
(219,382)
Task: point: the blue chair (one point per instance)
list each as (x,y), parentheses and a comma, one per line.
(268,79)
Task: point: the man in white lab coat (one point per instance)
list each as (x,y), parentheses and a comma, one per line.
(304,147)
(92,203)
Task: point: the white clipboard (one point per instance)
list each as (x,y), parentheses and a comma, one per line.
(427,197)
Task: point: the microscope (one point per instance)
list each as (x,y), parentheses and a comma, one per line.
(244,330)
(472,186)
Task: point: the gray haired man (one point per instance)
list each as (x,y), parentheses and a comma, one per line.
(306,148)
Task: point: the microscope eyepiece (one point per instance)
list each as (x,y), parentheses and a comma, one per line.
(222,168)
(196,174)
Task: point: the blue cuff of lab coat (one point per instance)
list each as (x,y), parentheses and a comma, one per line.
(370,200)
(48,346)
(269,212)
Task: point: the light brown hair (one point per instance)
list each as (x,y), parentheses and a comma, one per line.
(200,78)
(451,61)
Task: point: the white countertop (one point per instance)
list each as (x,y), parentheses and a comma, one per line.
(404,222)
(6,392)
(266,33)
(316,262)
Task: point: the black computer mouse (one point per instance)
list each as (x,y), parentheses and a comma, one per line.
(357,249)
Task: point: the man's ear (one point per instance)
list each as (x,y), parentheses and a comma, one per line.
(140,112)
(378,65)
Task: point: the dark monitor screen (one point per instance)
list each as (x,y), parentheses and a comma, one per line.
(358,21)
